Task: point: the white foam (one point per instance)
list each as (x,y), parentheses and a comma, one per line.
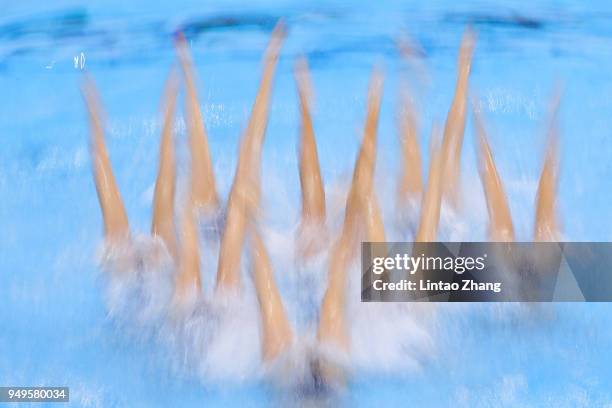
(138,279)
(218,338)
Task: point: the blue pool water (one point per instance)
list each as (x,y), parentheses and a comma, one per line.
(55,327)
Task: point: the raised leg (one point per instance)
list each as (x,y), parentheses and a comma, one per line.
(500,220)
(313,193)
(455,121)
(115,218)
(546,225)
(188,280)
(411,179)
(165,185)
(202,174)
(332,322)
(361,200)
(361,215)
(333,330)
(244,195)
(430,206)
(276,329)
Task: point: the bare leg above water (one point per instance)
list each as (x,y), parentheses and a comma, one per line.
(455,122)
(115,218)
(362,214)
(277,334)
(365,166)
(188,281)
(313,193)
(362,188)
(546,225)
(202,174)
(362,218)
(163,200)
(276,329)
(411,184)
(244,195)
(500,220)
(333,329)
(332,323)
(430,206)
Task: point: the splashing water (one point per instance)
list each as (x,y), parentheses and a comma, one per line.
(219,338)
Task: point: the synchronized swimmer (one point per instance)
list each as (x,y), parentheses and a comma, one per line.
(362,217)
